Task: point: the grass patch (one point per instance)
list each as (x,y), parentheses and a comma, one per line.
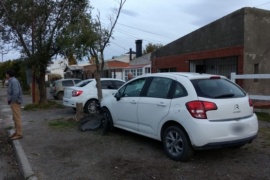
(63,123)
(266,133)
(49,105)
(263,116)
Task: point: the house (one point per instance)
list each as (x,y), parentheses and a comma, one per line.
(138,66)
(114,69)
(73,71)
(238,42)
(56,67)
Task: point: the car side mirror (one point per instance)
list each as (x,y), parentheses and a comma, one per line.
(117,96)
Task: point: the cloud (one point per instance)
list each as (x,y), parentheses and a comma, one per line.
(208,11)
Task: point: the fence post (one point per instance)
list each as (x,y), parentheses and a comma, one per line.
(233,75)
(79,111)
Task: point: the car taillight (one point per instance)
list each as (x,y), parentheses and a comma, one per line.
(250,102)
(198,109)
(76,93)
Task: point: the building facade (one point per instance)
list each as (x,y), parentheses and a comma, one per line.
(238,42)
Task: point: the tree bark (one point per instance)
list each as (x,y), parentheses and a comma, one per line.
(42,87)
(99,90)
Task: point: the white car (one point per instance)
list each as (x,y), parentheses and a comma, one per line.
(186,111)
(85,92)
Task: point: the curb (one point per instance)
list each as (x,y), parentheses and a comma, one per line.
(23,162)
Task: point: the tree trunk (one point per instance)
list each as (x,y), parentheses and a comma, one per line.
(99,90)
(42,88)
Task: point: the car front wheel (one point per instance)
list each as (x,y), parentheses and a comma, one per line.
(107,121)
(176,144)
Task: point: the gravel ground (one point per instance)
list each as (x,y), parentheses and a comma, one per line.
(56,153)
(8,165)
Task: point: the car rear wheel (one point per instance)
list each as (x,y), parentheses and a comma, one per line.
(176,144)
(91,106)
(60,95)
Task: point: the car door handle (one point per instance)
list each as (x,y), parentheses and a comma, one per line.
(162,104)
(133,102)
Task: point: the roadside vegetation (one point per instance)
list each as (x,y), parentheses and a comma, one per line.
(49,105)
(63,123)
(263,116)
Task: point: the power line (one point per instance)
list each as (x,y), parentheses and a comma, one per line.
(146,31)
(141,37)
(262,4)
(153,33)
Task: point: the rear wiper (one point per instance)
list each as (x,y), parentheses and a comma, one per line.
(224,96)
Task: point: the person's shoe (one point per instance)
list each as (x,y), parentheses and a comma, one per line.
(16,137)
(11,136)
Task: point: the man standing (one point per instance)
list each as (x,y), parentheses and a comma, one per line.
(130,76)
(15,101)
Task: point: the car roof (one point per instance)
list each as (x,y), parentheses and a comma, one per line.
(68,79)
(189,75)
(104,79)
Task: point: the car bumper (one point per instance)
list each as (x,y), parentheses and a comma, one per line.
(205,134)
(226,144)
(70,103)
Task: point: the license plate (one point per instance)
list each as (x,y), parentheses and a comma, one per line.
(238,128)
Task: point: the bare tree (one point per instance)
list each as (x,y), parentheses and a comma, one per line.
(102,41)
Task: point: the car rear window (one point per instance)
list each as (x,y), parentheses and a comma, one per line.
(106,84)
(77,81)
(67,83)
(119,83)
(217,88)
(83,83)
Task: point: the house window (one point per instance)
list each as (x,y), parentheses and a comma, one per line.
(256,71)
(135,73)
(139,72)
(126,74)
(147,70)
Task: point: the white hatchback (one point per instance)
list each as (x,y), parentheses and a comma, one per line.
(85,92)
(186,111)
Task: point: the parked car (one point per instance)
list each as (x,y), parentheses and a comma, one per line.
(85,92)
(57,87)
(186,111)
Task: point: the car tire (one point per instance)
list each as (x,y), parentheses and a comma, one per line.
(107,121)
(91,106)
(60,95)
(176,144)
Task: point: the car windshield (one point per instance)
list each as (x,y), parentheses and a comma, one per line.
(217,88)
(83,83)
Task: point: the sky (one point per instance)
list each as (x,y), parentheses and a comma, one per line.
(158,21)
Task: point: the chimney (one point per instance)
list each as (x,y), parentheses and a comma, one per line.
(138,48)
(130,54)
